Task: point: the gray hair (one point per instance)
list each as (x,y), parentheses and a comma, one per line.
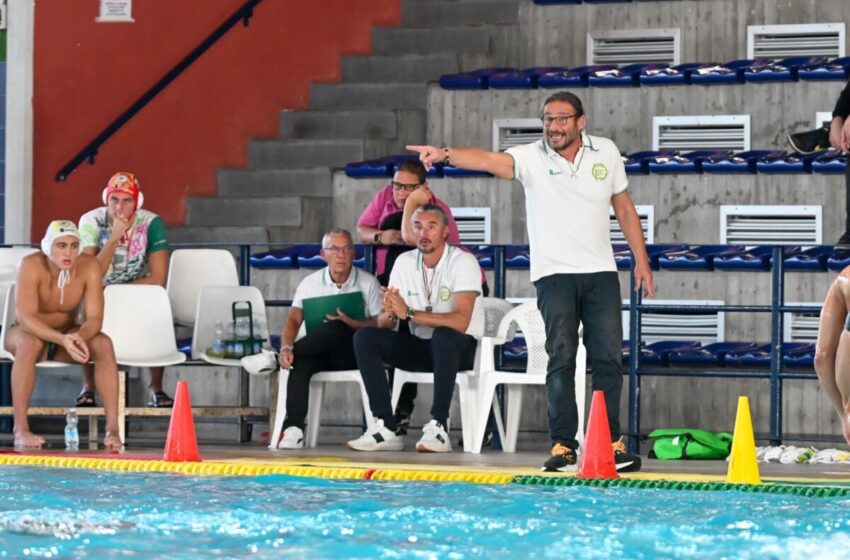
(435,209)
(336,231)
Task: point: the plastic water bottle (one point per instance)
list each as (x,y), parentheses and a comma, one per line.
(218,348)
(72,434)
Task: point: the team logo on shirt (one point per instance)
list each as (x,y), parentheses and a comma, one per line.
(599,171)
(445,293)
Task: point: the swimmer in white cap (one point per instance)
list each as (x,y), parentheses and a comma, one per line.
(50,287)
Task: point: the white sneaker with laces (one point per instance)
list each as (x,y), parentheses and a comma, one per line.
(434,439)
(377,438)
(260,364)
(293,438)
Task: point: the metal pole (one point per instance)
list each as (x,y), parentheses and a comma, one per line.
(634,353)
(776,321)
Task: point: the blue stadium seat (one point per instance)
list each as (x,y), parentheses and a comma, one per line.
(309,255)
(658,353)
(477,79)
(757,258)
(381,167)
(281,258)
(802,358)
(452,171)
(184,345)
(690,162)
(779,162)
(638,162)
(623,255)
(486,255)
(395,161)
(697,257)
(576,77)
(741,162)
(784,70)
(809,259)
(836,69)
(521,79)
(545,2)
(515,350)
(708,355)
(839,259)
(628,75)
(729,73)
(830,161)
(669,75)
(517,256)
(760,356)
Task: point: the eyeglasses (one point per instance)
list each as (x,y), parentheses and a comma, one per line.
(559,119)
(409,187)
(337,250)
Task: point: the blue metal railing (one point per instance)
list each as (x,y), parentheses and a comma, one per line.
(243,14)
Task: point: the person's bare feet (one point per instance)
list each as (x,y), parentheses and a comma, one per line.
(112,441)
(25,439)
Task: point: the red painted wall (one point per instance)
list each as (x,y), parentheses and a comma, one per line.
(87,73)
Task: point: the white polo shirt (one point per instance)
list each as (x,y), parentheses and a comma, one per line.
(320,284)
(567,205)
(426,290)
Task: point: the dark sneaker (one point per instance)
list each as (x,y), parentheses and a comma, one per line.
(402,422)
(562,459)
(844,239)
(625,461)
(810,141)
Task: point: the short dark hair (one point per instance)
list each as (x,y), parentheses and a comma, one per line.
(414,166)
(435,209)
(566,97)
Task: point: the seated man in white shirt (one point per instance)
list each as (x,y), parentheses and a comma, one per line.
(329,347)
(434,288)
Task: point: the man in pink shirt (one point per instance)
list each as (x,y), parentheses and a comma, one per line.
(381,223)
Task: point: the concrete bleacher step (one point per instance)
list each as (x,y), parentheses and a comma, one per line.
(315,181)
(283,154)
(338,124)
(218,234)
(445,13)
(401,68)
(404,40)
(239,211)
(365,96)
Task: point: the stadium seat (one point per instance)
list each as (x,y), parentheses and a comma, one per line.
(657,353)
(710,354)
(836,69)
(486,255)
(696,257)
(784,70)
(741,162)
(638,162)
(521,79)
(690,162)
(628,75)
(280,258)
(576,77)
(760,356)
(517,256)
(381,167)
(809,259)
(757,258)
(779,162)
(804,358)
(477,79)
(668,75)
(830,161)
(839,259)
(729,73)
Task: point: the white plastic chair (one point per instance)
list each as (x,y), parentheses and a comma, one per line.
(527,317)
(467,381)
(314,407)
(215,304)
(191,270)
(10,258)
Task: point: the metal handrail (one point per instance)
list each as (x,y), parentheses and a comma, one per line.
(89,152)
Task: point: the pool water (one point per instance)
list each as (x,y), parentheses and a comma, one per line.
(62,513)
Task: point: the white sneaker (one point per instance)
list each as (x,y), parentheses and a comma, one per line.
(293,438)
(434,439)
(377,438)
(260,364)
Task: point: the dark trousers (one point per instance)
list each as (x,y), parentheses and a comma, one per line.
(448,352)
(847,200)
(329,348)
(565,300)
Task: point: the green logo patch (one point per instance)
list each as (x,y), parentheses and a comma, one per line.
(445,293)
(599,171)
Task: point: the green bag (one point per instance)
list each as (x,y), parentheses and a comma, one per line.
(684,443)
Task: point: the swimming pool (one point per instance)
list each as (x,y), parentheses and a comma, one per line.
(51,513)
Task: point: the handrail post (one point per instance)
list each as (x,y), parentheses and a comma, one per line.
(244,264)
(634,352)
(499,273)
(369,259)
(776,324)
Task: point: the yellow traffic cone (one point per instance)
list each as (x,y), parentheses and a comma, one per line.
(743,466)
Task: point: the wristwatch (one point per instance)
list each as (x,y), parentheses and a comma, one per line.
(377,237)
(410,313)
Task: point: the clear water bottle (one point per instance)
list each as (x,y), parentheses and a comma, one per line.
(218,348)
(72,434)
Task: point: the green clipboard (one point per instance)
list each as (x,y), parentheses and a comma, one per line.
(315,309)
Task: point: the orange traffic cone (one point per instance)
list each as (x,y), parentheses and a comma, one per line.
(597,459)
(181,444)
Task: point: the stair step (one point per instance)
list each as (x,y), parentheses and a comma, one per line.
(258,211)
(401,68)
(338,124)
(368,96)
(220,234)
(450,14)
(405,40)
(298,154)
(275,182)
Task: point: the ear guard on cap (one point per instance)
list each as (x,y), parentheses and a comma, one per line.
(126,183)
